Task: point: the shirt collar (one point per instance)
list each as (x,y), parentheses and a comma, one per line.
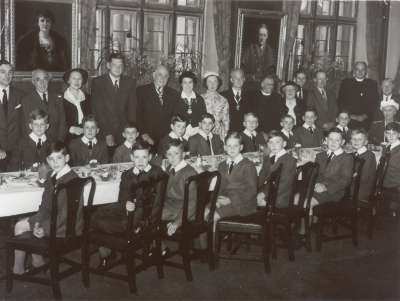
(393,145)
(236,90)
(113,79)
(174,136)
(7,91)
(336,152)
(204,134)
(306,126)
(136,170)
(128,144)
(342,128)
(35,138)
(286,133)
(41,94)
(265,94)
(250,134)
(180,166)
(191,96)
(236,161)
(86,140)
(362,150)
(278,155)
(359,80)
(66,169)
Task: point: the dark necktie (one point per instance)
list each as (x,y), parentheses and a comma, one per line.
(116,86)
(253,139)
(90,145)
(231,167)
(272,159)
(160,95)
(237,99)
(331,155)
(53,180)
(39,144)
(356,155)
(311,130)
(45,98)
(5,102)
(209,144)
(172,171)
(324,98)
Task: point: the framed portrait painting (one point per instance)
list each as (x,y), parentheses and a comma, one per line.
(44,34)
(260,42)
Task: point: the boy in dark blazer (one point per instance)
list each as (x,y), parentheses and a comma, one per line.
(48,101)
(178,128)
(88,149)
(238,191)
(31,151)
(343,120)
(359,141)
(38,225)
(205,143)
(309,135)
(277,156)
(252,140)
(123,152)
(113,218)
(113,100)
(391,181)
(179,171)
(10,114)
(287,125)
(335,170)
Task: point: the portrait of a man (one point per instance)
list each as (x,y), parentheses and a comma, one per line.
(40,43)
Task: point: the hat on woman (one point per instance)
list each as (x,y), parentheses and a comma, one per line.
(211,73)
(83,73)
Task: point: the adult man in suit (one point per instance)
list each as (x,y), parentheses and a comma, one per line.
(322,101)
(114,100)
(238,100)
(268,106)
(41,98)
(300,78)
(359,96)
(157,104)
(10,114)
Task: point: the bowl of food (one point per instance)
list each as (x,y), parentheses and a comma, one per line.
(93,163)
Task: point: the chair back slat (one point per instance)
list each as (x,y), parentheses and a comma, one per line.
(380,175)
(207,186)
(150,199)
(309,172)
(73,192)
(273,189)
(356,180)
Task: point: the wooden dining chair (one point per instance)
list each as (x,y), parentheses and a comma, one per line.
(207,186)
(136,243)
(55,248)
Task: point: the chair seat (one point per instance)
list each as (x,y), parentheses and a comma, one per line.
(116,241)
(192,229)
(29,242)
(288,213)
(245,224)
(332,209)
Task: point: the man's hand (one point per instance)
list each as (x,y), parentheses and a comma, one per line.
(3,154)
(38,231)
(110,140)
(171,228)
(148,139)
(359,118)
(76,130)
(223,201)
(319,188)
(261,199)
(130,206)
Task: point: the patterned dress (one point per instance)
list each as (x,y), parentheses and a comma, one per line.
(218,106)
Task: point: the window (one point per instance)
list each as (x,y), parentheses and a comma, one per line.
(325,34)
(154,29)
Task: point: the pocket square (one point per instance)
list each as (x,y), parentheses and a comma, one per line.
(18,106)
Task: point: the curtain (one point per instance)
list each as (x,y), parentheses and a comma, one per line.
(88,33)
(222,26)
(292,9)
(374,38)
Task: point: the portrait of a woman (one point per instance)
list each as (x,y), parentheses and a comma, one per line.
(42,47)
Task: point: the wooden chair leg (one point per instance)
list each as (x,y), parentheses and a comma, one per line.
(55,284)
(308,234)
(320,227)
(159,258)
(210,250)
(266,243)
(217,247)
(354,230)
(273,240)
(9,272)
(131,269)
(185,252)
(371,222)
(85,257)
(290,242)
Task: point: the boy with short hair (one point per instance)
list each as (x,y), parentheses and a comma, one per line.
(343,120)
(250,137)
(113,218)
(359,141)
(38,225)
(178,129)
(277,156)
(287,125)
(309,135)
(88,149)
(124,151)
(391,181)
(205,143)
(179,171)
(238,191)
(31,150)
